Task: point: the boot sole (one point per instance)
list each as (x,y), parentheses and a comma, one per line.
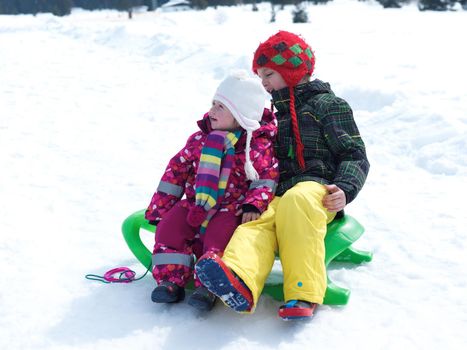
(218,279)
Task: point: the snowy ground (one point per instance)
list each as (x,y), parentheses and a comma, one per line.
(93,105)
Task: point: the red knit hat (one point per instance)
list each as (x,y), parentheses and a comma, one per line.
(292,58)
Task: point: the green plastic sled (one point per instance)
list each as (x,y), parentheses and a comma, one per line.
(341,234)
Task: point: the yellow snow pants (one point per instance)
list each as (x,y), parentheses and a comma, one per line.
(294,225)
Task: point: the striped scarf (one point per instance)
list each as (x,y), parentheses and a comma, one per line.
(211,178)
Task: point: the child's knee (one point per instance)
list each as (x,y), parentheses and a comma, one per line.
(304,194)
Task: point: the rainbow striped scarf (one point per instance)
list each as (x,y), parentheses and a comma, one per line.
(211,178)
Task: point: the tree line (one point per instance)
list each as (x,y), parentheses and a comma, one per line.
(63,7)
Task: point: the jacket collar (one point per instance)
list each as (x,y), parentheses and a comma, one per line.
(303,92)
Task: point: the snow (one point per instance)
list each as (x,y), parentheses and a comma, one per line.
(93,105)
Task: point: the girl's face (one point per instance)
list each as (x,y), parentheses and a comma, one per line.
(221,118)
(271,79)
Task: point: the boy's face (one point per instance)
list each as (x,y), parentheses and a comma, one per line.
(271,79)
(221,118)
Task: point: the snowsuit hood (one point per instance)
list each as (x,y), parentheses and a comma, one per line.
(179,177)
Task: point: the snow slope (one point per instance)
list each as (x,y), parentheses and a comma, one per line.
(93,105)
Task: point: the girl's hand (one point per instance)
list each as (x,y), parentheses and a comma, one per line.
(250,216)
(335,200)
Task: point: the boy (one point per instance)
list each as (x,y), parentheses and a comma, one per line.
(323,166)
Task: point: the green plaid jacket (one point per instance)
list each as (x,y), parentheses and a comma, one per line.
(334,151)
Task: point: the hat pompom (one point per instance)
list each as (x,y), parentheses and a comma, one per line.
(250,170)
(196,216)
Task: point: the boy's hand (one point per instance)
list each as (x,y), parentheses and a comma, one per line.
(335,200)
(248,216)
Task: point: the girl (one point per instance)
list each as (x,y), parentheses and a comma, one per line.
(228,174)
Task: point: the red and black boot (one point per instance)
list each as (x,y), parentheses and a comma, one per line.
(297,310)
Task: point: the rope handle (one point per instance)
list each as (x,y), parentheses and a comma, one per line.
(125,275)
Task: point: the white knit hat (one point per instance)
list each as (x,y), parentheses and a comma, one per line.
(245,98)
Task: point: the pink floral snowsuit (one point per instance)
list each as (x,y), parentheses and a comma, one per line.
(176,240)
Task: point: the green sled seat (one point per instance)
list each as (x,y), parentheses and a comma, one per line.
(341,234)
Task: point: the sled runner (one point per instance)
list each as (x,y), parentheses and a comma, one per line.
(341,234)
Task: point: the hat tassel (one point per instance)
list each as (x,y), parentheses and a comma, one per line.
(250,170)
(296,131)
